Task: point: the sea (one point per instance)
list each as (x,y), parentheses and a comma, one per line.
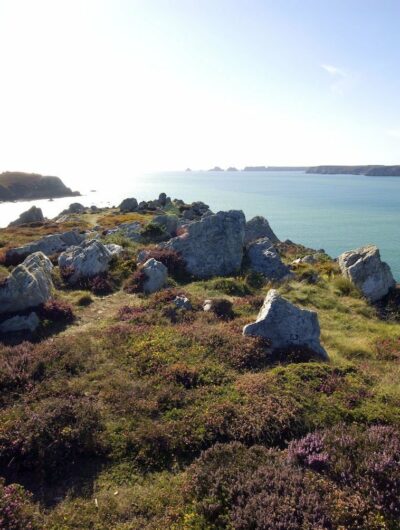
(333,212)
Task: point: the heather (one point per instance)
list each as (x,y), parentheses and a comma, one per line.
(126,411)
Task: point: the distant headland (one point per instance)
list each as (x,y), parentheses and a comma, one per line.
(372,171)
(368,170)
(19,186)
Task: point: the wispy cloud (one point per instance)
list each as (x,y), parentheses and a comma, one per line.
(339,76)
(333,70)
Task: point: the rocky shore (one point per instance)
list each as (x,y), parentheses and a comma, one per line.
(166,366)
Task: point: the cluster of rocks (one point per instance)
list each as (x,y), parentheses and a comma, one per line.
(49,245)
(210,245)
(132,205)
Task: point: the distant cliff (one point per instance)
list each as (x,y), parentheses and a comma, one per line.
(16,186)
(275,168)
(373,171)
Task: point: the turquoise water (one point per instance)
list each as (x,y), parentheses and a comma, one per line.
(334,212)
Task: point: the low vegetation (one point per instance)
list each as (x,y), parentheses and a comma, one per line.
(137,414)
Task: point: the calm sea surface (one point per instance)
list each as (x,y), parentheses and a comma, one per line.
(334,212)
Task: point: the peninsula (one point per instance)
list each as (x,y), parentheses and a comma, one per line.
(17,186)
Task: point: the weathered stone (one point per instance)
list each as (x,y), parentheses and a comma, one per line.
(33,215)
(129,230)
(128,205)
(285,325)
(364,268)
(49,245)
(207,305)
(75,207)
(156,273)
(162,199)
(212,246)
(115,250)
(168,222)
(85,261)
(29,285)
(181,302)
(258,228)
(20,323)
(309,259)
(264,259)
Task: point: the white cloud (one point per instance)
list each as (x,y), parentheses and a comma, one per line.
(333,70)
(340,79)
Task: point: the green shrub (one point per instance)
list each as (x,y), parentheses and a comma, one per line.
(231,286)
(85,300)
(345,287)
(154,232)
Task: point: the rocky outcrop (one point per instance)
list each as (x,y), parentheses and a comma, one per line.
(364,268)
(49,245)
(258,228)
(29,285)
(85,261)
(212,246)
(131,231)
(168,222)
(285,325)
(33,215)
(20,323)
(263,258)
(74,208)
(128,205)
(194,211)
(156,274)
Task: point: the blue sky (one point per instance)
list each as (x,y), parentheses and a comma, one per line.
(116,85)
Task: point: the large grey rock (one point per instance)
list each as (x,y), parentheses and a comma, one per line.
(85,261)
(20,323)
(49,245)
(33,215)
(128,205)
(286,325)
(365,269)
(74,208)
(29,285)
(264,259)
(212,246)
(156,273)
(129,230)
(168,222)
(258,228)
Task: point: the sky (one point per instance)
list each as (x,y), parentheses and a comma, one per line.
(104,87)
